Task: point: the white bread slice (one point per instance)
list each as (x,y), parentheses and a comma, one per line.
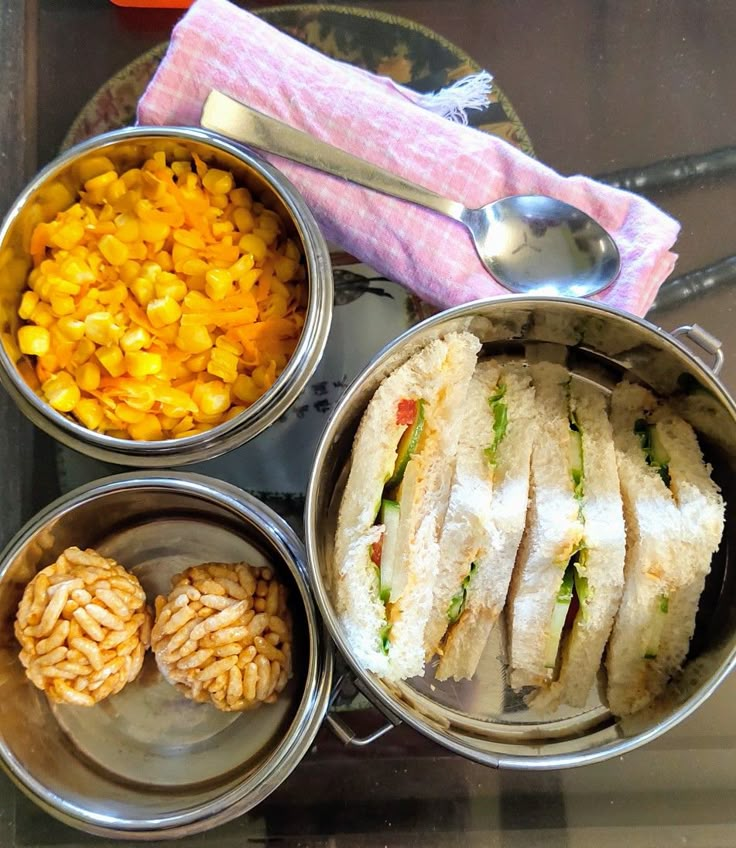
(485,518)
(553,531)
(468,516)
(439,374)
(605,543)
(672,534)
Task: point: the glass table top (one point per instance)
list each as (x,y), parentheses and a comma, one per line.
(602,89)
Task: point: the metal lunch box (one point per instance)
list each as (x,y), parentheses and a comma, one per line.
(484,719)
(149,764)
(126,147)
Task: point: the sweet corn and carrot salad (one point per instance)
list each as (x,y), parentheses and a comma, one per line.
(163,302)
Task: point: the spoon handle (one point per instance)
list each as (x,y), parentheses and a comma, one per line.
(231,118)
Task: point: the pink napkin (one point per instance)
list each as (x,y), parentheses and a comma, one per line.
(217,45)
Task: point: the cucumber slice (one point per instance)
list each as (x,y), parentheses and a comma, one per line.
(406,496)
(559,615)
(656,628)
(581,590)
(654,450)
(657,451)
(407,447)
(384,642)
(457,604)
(390,513)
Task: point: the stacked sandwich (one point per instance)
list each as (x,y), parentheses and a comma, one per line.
(482,487)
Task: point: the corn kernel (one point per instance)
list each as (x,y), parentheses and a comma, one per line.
(115,191)
(34,341)
(193,339)
(28,303)
(128,415)
(242,266)
(131,177)
(93,166)
(71,328)
(191,267)
(212,398)
(128,228)
(189,238)
(61,392)
(129,271)
(143,364)
(164,259)
(219,283)
(233,412)
(232,347)
(143,290)
(147,430)
(162,311)
(267,235)
(154,231)
(100,328)
(217,181)
(291,250)
(223,364)
(89,412)
(62,304)
(284,268)
(49,362)
(198,362)
(221,228)
(88,377)
(68,236)
(241,197)
(114,250)
(85,349)
(171,285)
(77,272)
(245,389)
(134,339)
(98,184)
(112,360)
(219,201)
(254,245)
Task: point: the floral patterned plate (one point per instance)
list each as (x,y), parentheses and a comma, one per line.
(370,310)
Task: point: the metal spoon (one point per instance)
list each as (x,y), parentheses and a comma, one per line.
(529,243)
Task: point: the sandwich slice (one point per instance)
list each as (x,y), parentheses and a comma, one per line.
(485,517)
(569,576)
(597,573)
(675,516)
(386,545)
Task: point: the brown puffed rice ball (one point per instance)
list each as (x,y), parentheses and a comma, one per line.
(223,635)
(84,627)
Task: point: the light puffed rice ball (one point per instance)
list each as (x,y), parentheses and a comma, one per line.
(223,635)
(84,627)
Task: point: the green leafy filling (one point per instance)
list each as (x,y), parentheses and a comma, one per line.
(655,459)
(499,409)
(457,604)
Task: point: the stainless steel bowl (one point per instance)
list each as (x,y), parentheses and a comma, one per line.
(128,147)
(484,719)
(147,763)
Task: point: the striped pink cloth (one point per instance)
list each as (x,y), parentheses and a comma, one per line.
(217,45)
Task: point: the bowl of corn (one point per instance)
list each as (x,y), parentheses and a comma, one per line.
(165,295)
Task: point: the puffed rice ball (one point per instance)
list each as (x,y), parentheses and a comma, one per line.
(223,635)
(84,627)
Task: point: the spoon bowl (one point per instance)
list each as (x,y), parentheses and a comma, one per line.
(530,244)
(534,244)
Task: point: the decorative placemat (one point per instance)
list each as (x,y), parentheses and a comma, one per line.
(370,310)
